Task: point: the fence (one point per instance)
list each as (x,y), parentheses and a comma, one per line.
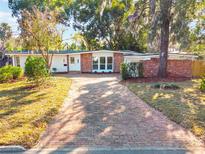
(198,68)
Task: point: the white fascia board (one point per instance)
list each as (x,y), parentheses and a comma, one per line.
(97,51)
(22,54)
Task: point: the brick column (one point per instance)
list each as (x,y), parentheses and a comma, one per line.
(118,59)
(86,63)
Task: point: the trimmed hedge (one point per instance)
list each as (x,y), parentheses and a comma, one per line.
(9,72)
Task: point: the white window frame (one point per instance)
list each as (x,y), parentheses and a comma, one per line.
(106,64)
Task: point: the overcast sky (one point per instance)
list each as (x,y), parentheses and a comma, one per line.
(6,16)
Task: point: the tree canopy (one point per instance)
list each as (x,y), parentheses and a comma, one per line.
(168,21)
(58,5)
(39,32)
(5,35)
(107,29)
(142,25)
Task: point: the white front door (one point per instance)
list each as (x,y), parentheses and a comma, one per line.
(74,63)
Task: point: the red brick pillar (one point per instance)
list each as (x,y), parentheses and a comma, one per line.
(118,59)
(86,63)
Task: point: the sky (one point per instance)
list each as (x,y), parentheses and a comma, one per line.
(6,16)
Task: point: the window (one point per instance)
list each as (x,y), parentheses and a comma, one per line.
(18,61)
(109,63)
(102,63)
(95,63)
(72,60)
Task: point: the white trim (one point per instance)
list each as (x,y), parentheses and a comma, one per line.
(102,54)
(77,53)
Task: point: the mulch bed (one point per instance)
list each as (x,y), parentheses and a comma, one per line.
(156,79)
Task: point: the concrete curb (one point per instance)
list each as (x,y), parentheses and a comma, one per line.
(12,149)
(146,150)
(108,150)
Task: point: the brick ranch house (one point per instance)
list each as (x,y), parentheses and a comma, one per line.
(106,61)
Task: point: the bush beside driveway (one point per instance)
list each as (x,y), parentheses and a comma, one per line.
(25,110)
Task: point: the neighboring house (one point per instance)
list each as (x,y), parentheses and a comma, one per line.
(103,61)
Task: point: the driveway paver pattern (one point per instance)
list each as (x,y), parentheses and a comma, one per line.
(100,112)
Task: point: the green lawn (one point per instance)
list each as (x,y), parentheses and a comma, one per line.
(26,111)
(185,106)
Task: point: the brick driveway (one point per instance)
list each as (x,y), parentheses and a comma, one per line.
(100,113)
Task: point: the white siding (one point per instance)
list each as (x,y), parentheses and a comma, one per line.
(76,66)
(58,62)
(135,59)
(22,60)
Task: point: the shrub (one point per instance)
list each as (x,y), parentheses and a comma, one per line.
(140,70)
(165,86)
(131,70)
(17,72)
(36,69)
(5,77)
(124,72)
(10,72)
(170,86)
(156,85)
(202,84)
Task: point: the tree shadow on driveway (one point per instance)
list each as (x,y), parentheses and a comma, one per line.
(101,113)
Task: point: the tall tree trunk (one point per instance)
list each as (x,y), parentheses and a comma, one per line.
(165,6)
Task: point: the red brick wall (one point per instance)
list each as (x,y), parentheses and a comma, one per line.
(175,68)
(118,59)
(86,63)
(150,67)
(180,68)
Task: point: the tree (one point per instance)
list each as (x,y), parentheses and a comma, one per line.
(79,38)
(165,7)
(14,44)
(197,35)
(105,29)
(5,35)
(17,6)
(39,32)
(170,18)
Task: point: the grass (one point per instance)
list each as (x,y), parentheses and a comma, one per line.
(26,111)
(185,106)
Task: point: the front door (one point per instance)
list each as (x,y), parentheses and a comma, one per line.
(74,63)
